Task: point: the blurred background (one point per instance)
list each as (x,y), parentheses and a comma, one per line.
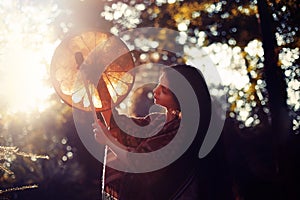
(253,44)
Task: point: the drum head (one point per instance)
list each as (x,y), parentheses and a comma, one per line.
(104,60)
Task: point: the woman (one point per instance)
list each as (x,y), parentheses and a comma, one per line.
(180,178)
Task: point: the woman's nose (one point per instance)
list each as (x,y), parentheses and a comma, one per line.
(155,90)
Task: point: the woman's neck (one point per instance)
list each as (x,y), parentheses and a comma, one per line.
(171,114)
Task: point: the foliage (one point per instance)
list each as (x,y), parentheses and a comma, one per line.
(235,25)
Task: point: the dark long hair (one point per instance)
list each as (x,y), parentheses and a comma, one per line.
(170,182)
(198,83)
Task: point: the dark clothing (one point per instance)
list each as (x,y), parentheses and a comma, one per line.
(170,182)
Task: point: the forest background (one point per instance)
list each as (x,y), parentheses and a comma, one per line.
(254,45)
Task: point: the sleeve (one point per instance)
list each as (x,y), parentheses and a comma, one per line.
(160,140)
(152,129)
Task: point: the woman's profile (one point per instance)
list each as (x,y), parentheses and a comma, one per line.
(181,178)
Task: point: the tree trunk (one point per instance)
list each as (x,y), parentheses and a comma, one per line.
(276,87)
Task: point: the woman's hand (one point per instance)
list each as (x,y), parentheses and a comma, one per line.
(99,130)
(104,137)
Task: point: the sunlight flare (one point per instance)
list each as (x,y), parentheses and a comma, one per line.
(26,48)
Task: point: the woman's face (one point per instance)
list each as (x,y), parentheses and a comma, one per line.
(163,95)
